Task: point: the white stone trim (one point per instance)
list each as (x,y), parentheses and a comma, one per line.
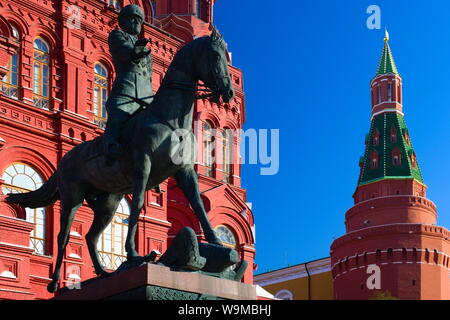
(38,277)
(16,291)
(385,110)
(74,255)
(155,219)
(16,245)
(8,274)
(396,262)
(394,196)
(381,251)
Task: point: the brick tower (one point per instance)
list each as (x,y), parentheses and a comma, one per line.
(392,246)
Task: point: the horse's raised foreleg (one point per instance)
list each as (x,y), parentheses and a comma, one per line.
(70,202)
(141,174)
(187,181)
(104,207)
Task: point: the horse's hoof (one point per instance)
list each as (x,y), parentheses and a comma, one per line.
(151,257)
(52,286)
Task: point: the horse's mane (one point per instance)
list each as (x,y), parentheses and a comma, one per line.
(186,50)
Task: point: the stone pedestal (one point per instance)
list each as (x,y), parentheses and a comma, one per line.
(156,282)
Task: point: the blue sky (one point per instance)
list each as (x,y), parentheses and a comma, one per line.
(307,67)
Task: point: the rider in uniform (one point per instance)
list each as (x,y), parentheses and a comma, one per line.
(133,65)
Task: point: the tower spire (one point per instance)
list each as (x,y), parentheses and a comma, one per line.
(387,64)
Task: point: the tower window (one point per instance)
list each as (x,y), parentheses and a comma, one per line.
(376,138)
(374,163)
(374,160)
(396,157)
(393,135)
(389,92)
(379,95)
(406,135)
(396,161)
(413,160)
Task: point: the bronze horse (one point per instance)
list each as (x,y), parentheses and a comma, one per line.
(150,147)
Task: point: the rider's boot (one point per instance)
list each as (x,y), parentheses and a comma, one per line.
(113,149)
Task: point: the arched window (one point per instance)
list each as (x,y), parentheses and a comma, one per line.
(390,254)
(379,94)
(378,255)
(376,138)
(111,244)
(284,295)
(413,159)
(393,135)
(406,135)
(101,86)
(10,82)
(208,148)
(374,160)
(226,236)
(20,177)
(227,154)
(41,73)
(396,157)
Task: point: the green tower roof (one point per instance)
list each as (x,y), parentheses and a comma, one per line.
(388,138)
(387,64)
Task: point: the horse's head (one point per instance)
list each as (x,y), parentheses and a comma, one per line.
(212,67)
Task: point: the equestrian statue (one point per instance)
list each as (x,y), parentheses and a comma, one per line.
(142,145)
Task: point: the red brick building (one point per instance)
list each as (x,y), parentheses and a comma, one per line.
(56,72)
(392,247)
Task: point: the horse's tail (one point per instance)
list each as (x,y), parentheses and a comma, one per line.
(42,197)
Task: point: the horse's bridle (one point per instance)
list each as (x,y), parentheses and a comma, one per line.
(180,85)
(209,91)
